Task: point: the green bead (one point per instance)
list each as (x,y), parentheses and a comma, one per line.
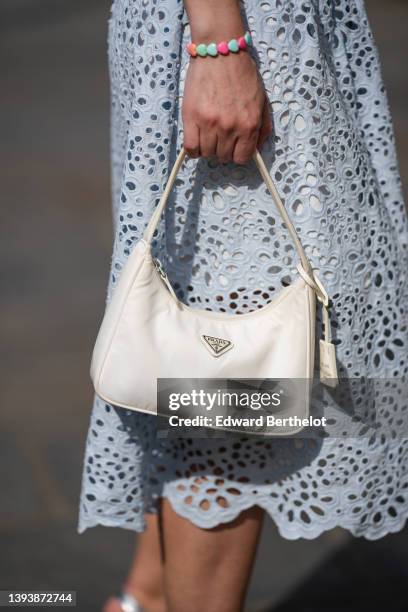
(212,49)
(233,45)
(202,49)
(248,38)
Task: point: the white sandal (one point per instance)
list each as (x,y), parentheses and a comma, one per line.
(128,603)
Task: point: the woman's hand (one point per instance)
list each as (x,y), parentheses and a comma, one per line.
(225,109)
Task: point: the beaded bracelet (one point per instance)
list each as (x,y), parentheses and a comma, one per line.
(223,47)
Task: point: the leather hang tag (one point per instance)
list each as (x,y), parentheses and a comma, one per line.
(328,366)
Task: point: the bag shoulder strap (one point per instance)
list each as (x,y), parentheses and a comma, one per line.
(150,229)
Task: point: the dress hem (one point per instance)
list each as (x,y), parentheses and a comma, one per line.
(355,531)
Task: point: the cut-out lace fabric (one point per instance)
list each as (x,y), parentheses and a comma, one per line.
(224,248)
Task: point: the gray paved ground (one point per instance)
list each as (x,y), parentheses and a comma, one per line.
(54,259)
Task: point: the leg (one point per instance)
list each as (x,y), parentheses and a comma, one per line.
(145,577)
(208,570)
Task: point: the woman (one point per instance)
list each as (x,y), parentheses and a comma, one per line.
(309,93)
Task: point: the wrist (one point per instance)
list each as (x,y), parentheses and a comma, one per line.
(207,33)
(212,22)
(235,64)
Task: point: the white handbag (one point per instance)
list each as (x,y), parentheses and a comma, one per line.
(148,333)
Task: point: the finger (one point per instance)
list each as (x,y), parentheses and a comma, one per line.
(245,147)
(225,146)
(191,138)
(208,142)
(266,127)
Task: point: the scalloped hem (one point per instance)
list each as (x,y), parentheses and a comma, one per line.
(296,533)
(101,521)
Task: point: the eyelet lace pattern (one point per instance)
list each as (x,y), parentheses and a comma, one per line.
(224,248)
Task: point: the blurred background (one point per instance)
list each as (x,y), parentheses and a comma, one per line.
(55,255)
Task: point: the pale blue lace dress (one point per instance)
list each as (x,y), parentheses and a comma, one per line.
(332,156)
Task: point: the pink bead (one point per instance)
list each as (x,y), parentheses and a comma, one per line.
(192,49)
(242,43)
(222,48)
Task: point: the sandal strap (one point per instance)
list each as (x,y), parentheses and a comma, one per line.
(128,603)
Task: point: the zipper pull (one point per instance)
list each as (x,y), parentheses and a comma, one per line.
(159,267)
